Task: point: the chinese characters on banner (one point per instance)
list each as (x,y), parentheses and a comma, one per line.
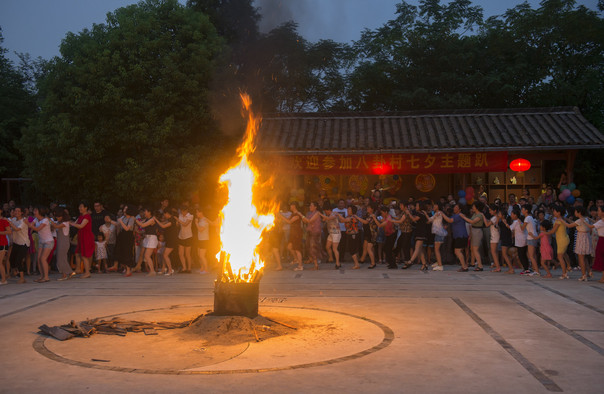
(393,163)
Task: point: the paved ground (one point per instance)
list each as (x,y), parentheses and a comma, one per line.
(450,332)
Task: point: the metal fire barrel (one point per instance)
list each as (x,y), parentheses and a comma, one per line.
(236,299)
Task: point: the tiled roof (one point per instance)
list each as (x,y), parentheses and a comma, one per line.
(429,131)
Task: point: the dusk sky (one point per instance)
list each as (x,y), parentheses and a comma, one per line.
(38,26)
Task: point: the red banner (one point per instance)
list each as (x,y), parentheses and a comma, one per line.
(394,163)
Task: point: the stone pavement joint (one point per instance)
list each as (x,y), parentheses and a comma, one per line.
(559,326)
(530,367)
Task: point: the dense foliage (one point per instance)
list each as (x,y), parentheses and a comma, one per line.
(17,105)
(125,110)
(146,103)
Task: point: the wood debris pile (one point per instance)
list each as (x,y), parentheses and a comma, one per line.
(115,326)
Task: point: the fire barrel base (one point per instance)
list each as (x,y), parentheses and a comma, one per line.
(236,299)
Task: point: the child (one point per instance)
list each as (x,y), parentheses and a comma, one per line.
(545,247)
(100,252)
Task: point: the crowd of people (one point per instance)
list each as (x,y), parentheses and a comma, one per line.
(36,240)
(504,236)
(520,234)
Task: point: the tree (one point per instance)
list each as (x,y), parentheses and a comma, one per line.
(235,20)
(549,56)
(424,58)
(289,74)
(17,105)
(125,108)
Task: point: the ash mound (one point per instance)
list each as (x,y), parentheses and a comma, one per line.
(229,330)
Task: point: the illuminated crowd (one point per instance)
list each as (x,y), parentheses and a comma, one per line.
(521,236)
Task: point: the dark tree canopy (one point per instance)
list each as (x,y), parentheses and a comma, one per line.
(125,112)
(140,106)
(442,55)
(17,105)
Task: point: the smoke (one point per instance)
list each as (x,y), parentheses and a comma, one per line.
(277,12)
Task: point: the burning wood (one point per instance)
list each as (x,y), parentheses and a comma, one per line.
(236,291)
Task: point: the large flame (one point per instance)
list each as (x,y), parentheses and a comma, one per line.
(241,224)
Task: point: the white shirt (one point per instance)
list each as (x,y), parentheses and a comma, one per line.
(437,223)
(344,213)
(530,227)
(44,233)
(20,237)
(519,235)
(109,232)
(494,228)
(65,229)
(185,231)
(204,234)
(600,227)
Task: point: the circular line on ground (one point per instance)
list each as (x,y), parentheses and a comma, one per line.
(40,347)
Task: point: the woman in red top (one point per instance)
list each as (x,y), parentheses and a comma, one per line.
(86,244)
(5,230)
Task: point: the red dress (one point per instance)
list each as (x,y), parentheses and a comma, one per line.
(85,237)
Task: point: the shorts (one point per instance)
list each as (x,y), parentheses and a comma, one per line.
(185,242)
(533,242)
(47,245)
(203,243)
(3,247)
(335,238)
(495,237)
(150,241)
(460,243)
(439,238)
(476,236)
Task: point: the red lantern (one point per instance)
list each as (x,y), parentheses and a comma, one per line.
(520,165)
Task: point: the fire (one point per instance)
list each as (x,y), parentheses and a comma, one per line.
(241,225)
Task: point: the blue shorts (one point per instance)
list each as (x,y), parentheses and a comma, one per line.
(532,242)
(439,238)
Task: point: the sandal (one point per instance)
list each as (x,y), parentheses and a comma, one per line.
(338,266)
(462,270)
(372,266)
(478,269)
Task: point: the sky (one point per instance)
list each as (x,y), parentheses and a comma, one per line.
(38,26)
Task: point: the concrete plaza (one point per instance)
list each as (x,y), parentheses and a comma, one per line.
(415,332)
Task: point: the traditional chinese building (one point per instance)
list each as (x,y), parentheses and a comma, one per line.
(424,153)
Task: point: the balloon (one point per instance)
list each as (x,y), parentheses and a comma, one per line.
(572,186)
(470,201)
(563,187)
(576,193)
(461,194)
(327,181)
(462,201)
(566,193)
(570,199)
(334,190)
(469,192)
(561,197)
